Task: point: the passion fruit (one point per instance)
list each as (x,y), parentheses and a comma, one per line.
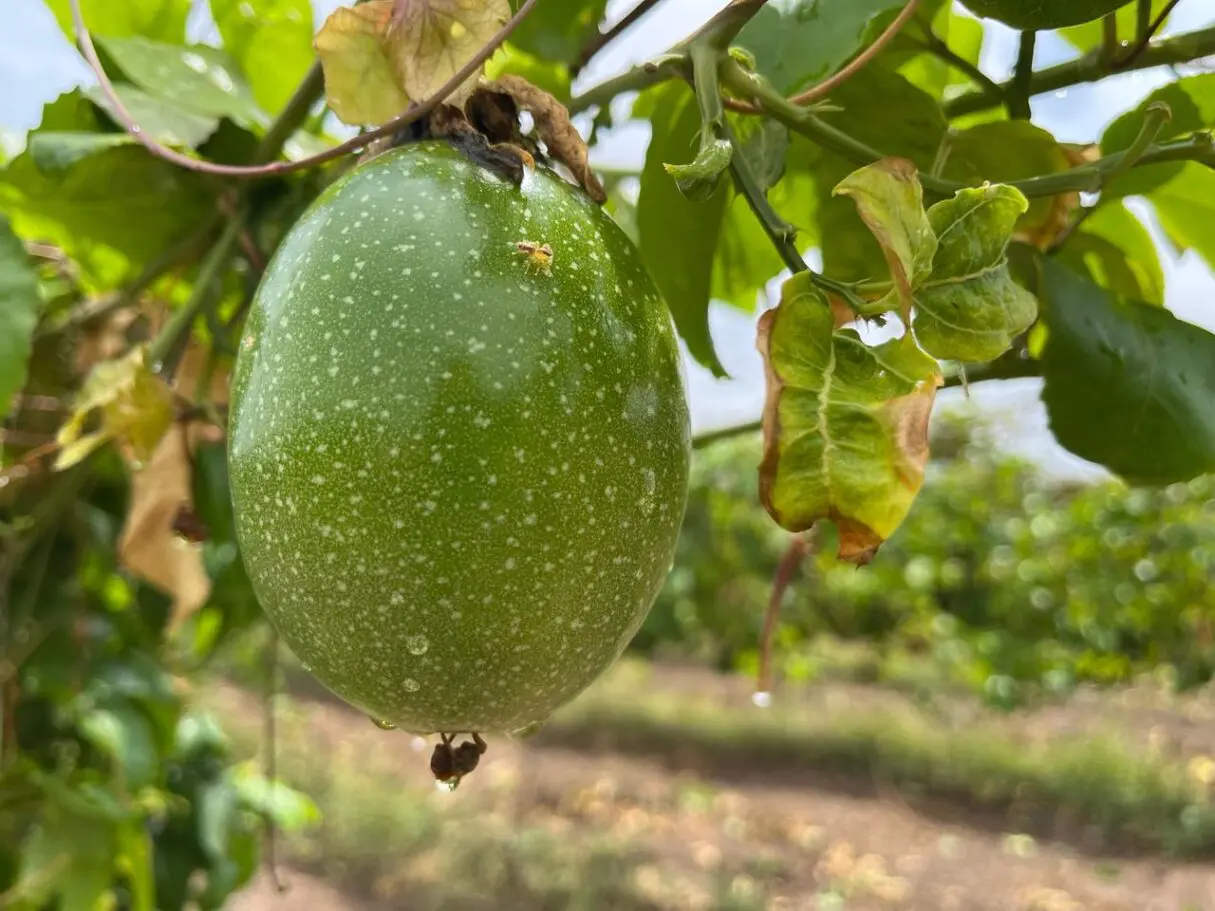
(459,442)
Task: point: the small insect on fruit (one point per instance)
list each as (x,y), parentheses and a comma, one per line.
(450,764)
(539,256)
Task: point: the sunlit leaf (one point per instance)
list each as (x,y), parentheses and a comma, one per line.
(962,34)
(164,122)
(845,424)
(199,79)
(1128,385)
(135,405)
(123,731)
(289,809)
(969,308)
(1186,209)
(1116,251)
(890,201)
(542,73)
(272,42)
(19,309)
(163,20)
(360,84)
(1088,35)
(430,40)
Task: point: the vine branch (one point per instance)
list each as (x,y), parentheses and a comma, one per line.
(935,45)
(1019,91)
(270,169)
(1147,30)
(603,39)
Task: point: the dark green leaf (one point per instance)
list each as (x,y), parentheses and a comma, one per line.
(164,20)
(1043,14)
(198,79)
(1191,100)
(797,42)
(1115,251)
(272,42)
(845,425)
(55,152)
(700,178)
(1186,209)
(679,237)
(765,151)
(19,309)
(969,308)
(1128,385)
(164,122)
(558,32)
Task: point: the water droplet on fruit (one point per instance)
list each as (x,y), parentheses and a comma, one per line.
(383,725)
(761,699)
(528,730)
(417,645)
(447,786)
(307,667)
(411,685)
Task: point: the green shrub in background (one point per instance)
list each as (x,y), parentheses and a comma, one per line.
(1001,575)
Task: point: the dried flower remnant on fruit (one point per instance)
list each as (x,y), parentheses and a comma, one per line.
(449,764)
(539,256)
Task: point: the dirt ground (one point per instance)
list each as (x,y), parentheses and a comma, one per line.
(826,849)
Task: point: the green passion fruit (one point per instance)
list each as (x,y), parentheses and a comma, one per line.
(1043,14)
(459,442)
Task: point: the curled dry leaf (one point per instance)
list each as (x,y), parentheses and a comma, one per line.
(503,158)
(428,41)
(845,424)
(555,128)
(360,82)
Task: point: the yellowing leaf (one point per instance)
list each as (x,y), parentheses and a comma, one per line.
(890,201)
(359,81)
(149,546)
(136,409)
(430,40)
(845,424)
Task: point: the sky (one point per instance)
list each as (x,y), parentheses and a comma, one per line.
(37,63)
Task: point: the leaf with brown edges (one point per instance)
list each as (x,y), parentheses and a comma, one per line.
(360,84)
(845,424)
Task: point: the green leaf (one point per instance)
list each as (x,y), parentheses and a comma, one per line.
(1127,385)
(1114,250)
(845,424)
(963,35)
(288,808)
(679,237)
(164,20)
(197,79)
(1191,100)
(215,809)
(20,305)
(969,308)
(890,201)
(765,150)
(1004,151)
(123,732)
(1186,209)
(699,179)
(135,860)
(1087,36)
(162,121)
(67,854)
(558,32)
(54,152)
(112,211)
(272,42)
(797,42)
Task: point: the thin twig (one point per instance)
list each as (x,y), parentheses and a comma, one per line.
(270,169)
(785,570)
(934,44)
(271,738)
(1143,39)
(603,39)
